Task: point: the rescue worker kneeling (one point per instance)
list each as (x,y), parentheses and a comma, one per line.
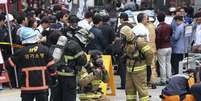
(138,56)
(35,63)
(91,78)
(179,88)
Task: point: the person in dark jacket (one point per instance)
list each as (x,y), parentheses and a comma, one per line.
(98,42)
(36,65)
(62,18)
(108,33)
(4,37)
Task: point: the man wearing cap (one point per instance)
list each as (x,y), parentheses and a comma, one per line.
(138,56)
(124,21)
(35,63)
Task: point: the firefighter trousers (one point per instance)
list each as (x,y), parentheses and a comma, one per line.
(42,96)
(65,90)
(136,82)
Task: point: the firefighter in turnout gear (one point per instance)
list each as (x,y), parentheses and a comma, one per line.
(36,64)
(91,77)
(138,56)
(68,67)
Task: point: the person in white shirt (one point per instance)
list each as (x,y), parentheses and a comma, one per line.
(140,29)
(198,30)
(86,22)
(44,25)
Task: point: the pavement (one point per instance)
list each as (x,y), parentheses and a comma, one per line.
(14,94)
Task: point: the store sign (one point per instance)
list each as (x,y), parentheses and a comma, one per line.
(3,1)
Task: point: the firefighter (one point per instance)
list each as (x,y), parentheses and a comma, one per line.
(91,78)
(138,56)
(68,67)
(36,64)
(80,35)
(72,27)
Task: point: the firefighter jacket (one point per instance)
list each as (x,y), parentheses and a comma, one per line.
(90,82)
(35,63)
(73,59)
(138,54)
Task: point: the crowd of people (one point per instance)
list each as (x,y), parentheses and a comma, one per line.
(50,49)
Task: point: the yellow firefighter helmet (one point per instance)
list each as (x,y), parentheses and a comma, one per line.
(126,32)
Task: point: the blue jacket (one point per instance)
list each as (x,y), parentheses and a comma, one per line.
(179,41)
(98,42)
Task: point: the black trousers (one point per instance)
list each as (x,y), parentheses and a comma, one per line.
(196,91)
(149,73)
(175,59)
(122,71)
(1,68)
(65,89)
(42,96)
(123,75)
